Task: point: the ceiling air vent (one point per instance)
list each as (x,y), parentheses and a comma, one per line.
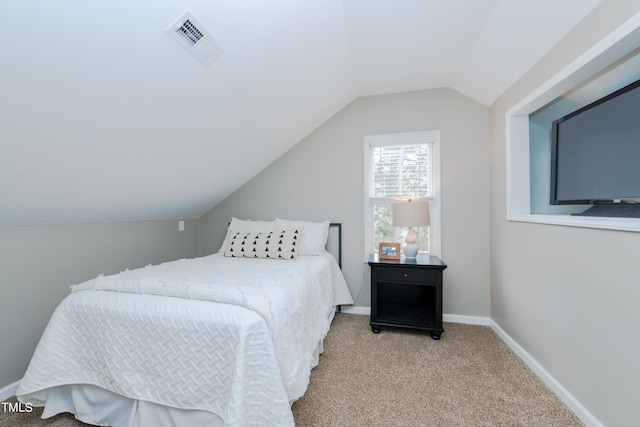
(192,36)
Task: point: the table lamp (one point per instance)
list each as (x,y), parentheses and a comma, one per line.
(410,214)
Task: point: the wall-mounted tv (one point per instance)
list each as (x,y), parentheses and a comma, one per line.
(595,155)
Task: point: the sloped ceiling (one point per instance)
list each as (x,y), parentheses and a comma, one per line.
(104,117)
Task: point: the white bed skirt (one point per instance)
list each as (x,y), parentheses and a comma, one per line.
(95,405)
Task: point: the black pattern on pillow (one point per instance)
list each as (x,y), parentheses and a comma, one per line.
(268,244)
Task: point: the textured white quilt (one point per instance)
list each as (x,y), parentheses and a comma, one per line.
(232,336)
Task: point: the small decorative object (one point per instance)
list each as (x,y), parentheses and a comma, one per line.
(389,251)
(410,214)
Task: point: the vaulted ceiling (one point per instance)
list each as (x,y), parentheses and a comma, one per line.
(104,117)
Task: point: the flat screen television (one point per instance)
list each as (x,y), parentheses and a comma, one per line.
(595,155)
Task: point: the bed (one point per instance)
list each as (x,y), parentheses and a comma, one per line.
(223,340)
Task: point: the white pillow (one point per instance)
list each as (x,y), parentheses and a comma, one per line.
(267,244)
(313,234)
(245,225)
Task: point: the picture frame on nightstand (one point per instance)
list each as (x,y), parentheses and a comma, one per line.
(389,251)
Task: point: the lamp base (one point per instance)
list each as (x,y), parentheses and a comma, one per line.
(410,251)
(410,248)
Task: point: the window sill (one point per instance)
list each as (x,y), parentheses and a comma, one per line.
(618,224)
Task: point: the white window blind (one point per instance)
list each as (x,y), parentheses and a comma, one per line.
(402,170)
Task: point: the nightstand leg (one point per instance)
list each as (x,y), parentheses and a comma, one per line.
(375,329)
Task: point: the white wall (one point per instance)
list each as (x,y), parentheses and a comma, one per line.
(39,263)
(569,296)
(322,178)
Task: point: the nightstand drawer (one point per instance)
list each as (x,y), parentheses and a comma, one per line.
(412,275)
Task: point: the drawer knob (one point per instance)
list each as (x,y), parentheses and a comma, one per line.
(406,275)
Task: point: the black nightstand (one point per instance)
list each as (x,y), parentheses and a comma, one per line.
(407,293)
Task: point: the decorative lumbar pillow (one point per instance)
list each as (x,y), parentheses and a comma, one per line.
(246,225)
(269,244)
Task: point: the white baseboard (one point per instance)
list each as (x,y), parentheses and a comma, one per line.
(9,391)
(351,309)
(581,412)
(468,320)
(452,318)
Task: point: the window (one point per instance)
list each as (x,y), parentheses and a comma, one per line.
(397,168)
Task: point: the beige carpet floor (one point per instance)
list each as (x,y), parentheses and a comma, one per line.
(404,378)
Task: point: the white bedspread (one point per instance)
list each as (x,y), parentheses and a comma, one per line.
(227,335)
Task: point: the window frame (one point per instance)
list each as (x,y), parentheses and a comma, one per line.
(599,61)
(424,137)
